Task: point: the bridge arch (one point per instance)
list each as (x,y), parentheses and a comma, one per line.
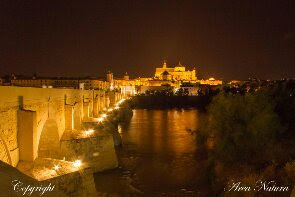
(49,142)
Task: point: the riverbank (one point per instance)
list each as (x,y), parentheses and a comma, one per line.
(169,102)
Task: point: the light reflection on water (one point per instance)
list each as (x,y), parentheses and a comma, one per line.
(157,157)
(162,131)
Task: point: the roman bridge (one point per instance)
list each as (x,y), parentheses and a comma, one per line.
(33,120)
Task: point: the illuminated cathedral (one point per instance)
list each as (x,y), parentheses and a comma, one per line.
(177,73)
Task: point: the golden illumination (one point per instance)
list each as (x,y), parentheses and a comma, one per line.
(89,132)
(104,115)
(77,163)
(100,119)
(56,167)
(178,73)
(96,154)
(120,129)
(121,101)
(110,109)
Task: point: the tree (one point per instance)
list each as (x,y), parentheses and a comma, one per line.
(244,127)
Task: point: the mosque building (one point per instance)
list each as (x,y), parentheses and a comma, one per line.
(177,73)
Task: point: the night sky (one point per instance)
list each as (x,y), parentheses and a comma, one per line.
(227,39)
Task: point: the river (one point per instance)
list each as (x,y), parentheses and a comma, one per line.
(157,158)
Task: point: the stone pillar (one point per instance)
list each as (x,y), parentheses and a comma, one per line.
(78,116)
(98,102)
(107,100)
(27,135)
(103,101)
(91,106)
(95,106)
(85,110)
(112,98)
(69,117)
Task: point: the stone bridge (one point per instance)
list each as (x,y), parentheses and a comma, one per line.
(34,120)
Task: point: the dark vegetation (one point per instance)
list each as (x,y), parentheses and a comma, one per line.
(249,135)
(168,99)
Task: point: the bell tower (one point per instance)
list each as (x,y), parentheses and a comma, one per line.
(126,77)
(164,64)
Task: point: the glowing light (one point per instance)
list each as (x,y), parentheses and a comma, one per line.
(96,154)
(117,107)
(104,115)
(56,167)
(100,119)
(89,131)
(110,109)
(119,129)
(120,101)
(77,163)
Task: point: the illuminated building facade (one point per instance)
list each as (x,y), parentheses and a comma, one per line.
(177,73)
(164,77)
(211,81)
(42,82)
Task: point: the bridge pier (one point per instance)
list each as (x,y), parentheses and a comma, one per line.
(99,102)
(27,135)
(96,106)
(91,103)
(112,99)
(85,110)
(96,150)
(102,101)
(69,117)
(78,115)
(107,100)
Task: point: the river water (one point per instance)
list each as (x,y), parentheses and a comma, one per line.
(157,158)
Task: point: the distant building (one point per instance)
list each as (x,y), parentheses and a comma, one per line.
(191,89)
(210,81)
(128,90)
(177,73)
(174,78)
(110,77)
(164,77)
(55,82)
(145,89)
